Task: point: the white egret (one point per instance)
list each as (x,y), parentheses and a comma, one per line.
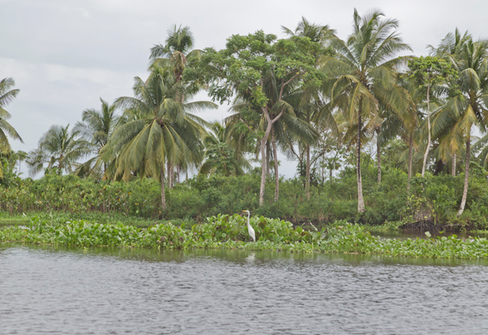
(249,228)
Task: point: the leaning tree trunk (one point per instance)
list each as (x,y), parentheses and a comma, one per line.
(277,177)
(264,140)
(466,174)
(163,196)
(378,154)
(453,165)
(410,145)
(358,166)
(428,129)
(269,126)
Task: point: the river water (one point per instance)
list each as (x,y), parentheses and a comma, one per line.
(121,291)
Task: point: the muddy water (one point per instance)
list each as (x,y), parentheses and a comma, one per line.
(118,291)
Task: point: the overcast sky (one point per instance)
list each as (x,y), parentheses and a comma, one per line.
(65,55)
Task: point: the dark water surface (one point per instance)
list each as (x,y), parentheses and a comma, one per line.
(118,291)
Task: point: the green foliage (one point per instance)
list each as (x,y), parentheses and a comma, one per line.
(7,94)
(226,231)
(434,197)
(247,61)
(431,71)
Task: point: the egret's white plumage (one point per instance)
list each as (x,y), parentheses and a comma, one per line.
(249,228)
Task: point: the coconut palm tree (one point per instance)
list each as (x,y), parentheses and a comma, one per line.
(176,54)
(7,94)
(363,73)
(60,149)
(309,101)
(97,127)
(166,131)
(467,104)
(316,32)
(220,156)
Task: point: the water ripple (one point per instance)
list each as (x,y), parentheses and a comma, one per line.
(60,291)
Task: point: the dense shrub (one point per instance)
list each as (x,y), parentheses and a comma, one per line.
(431,197)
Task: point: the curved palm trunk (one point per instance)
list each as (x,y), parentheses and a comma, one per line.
(466,174)
(277,177)
(378,154)
(428,129)
(410,145)
(358,166)
(163,196)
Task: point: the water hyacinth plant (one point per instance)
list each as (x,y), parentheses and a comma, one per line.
(230,232)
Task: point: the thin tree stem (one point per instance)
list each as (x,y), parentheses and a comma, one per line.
(277,177)
(163,196)
(378,154)
(428,129)
(358,166)
(410,147)
(466,174)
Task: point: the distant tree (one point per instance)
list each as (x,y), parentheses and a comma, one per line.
(175,54)
(245,67)
(7,94)
(429,72)
(309,102)
(60,149)
(97,127)
(166,131)
(220,157)
(467,105)
(363,73)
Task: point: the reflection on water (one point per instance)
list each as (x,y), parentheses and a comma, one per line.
(114,291)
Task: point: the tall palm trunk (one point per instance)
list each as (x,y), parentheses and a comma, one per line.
(358,166)
(428,129)
(453,165)
(378,154)
(170,175)
(277,177)
(307,173)
(466,173)
(163,196)
(410,145)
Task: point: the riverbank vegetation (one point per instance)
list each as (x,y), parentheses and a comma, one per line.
(432,199)
(379,135)
(230,232)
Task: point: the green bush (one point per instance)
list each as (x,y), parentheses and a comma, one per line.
(435,197)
